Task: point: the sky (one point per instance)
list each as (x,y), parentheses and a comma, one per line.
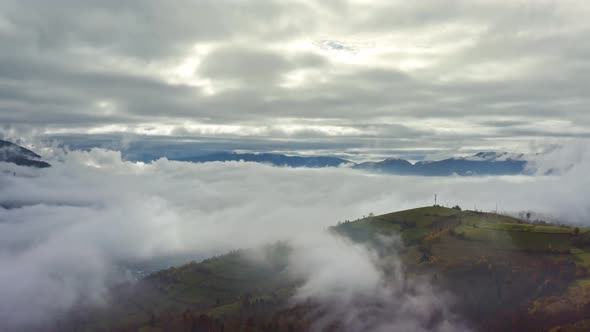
(397,77)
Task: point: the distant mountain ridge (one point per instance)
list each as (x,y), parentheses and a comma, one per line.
(269,158)
(16,154)
(482,163)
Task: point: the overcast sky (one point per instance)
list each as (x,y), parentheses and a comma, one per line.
(437,75)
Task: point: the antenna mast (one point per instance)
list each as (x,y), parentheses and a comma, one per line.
(435,200)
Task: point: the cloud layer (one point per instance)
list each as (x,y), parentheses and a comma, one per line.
(70,226)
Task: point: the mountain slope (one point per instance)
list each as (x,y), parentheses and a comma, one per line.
(12,153)
(269,158)
(505,274)
(483,163)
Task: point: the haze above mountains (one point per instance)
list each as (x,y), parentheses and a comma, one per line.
(482,163)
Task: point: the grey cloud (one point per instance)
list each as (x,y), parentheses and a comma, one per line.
(337,45)
(254,66)
(61,58)
(504,123)
(143,29)
(246,64)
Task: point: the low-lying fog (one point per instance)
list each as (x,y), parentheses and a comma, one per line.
(68,229)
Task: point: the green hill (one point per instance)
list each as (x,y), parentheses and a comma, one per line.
(506,275)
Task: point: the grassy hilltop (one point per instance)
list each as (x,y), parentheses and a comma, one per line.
(504,273)
(507,274)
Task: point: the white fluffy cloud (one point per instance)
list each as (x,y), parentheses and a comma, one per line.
(347,282)
(69,226)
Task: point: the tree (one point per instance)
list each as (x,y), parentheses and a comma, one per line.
(528,216)
(576,231)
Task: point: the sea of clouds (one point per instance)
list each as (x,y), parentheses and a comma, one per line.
(65,230)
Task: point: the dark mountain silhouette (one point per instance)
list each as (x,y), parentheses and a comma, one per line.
(12,153)
(482,163)
(268,158)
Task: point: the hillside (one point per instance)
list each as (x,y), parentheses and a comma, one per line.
(505,274)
